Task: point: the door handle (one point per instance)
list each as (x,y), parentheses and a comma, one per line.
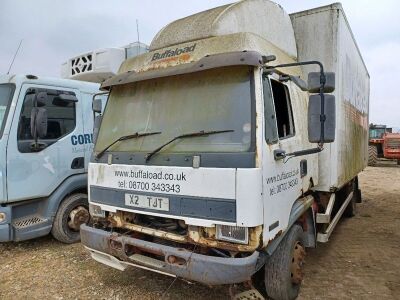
(279,154)
(78,163)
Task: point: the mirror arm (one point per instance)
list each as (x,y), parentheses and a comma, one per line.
(99,94)
(321,90)
(305,152)
(280,154)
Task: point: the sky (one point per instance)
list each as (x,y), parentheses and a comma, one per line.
(54,31)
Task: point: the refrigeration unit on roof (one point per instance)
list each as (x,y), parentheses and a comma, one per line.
(99,65)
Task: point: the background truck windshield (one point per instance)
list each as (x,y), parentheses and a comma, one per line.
(6,93)
(377,133)
(217,99)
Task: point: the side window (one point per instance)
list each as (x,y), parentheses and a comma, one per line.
(283,109)
(61,118)
(271,131)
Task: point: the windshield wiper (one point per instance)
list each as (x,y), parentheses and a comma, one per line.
(183,136)
(123,138)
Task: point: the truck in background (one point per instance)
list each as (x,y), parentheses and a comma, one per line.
(46,140)
(216,162)
(383,143)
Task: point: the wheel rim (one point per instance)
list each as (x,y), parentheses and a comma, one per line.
(296,270)
(77,217)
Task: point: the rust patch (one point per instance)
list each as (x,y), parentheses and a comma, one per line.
(196,235)
(278,234)
(296,269)
(168,62)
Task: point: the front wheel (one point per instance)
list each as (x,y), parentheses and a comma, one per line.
(72,213)
(284,269)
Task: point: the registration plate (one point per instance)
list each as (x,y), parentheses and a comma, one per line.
(150,202)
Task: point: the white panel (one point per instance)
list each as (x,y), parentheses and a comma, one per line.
(202,182)
(323,34)
(249,205)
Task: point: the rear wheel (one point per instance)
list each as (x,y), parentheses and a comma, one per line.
(72,213)
(398,162)
(372,155)
(284,269)
(350,210)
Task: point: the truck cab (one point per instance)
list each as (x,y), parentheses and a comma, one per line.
(45,145)
(215,161)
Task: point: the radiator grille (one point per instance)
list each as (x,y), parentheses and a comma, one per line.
(26,222)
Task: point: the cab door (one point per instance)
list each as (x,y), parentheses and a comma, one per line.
(35,173)
(282,178)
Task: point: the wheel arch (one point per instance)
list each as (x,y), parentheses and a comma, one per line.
(302,213)
(73,184)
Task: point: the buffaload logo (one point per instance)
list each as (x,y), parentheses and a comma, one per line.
(170,53)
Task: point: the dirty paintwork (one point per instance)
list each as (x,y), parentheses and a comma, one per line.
(184,263)
(338,51)
(272,195)
(200,236)
(235,42)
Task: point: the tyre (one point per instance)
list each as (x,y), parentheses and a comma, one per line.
(284,269)
(372,155)
(398,162)
(350,210)
(72,212)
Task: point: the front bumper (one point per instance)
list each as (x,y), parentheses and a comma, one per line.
(392,154)
(111,249)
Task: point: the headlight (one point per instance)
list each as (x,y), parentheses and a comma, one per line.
(233,234)
(96,211)
(3,216)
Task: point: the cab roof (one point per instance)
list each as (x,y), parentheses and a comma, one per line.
(19,79)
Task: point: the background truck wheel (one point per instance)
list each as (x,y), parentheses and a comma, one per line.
(372,155)
(73,212)
(284,269)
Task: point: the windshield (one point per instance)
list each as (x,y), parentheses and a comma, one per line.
(6,93)
(376,133)
(211,100)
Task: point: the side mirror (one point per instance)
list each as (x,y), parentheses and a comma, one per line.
(38,122)
(97,106)
(96,127)
(314,82)
(64,100)
(67,98)
(314,119)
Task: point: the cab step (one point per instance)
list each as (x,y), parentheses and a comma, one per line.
(28,221)
(324,218)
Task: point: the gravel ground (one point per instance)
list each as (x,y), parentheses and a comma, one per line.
(361,261)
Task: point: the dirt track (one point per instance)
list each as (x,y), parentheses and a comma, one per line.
(361,261)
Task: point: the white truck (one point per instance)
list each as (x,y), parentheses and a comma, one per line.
(46,139)
(215,160)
